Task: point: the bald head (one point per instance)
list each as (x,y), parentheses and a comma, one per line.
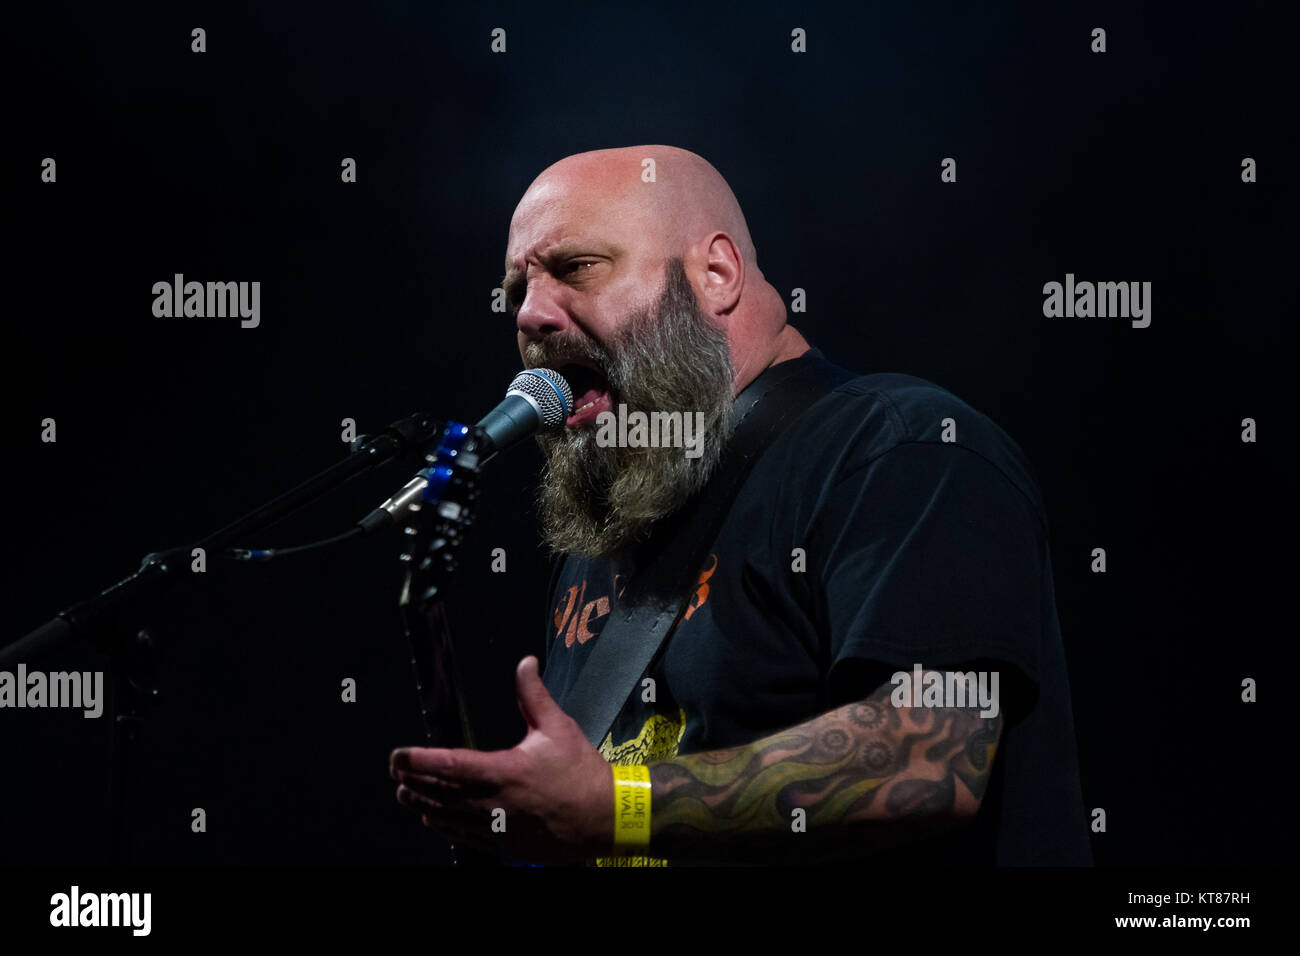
(673,195)
(593,235)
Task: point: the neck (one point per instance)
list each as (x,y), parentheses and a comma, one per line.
(788,344)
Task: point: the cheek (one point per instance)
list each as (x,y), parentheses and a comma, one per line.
(613,308)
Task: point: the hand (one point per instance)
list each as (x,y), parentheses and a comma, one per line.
(556,789)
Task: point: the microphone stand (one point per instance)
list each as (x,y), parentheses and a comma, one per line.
(106,620)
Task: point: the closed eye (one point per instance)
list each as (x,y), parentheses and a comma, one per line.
(568,269)
(575,265)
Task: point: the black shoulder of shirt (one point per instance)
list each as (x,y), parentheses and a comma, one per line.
(869,415)
(863,419)
(862,426)
(872,414)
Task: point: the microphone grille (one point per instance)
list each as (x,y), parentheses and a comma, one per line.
(549,390)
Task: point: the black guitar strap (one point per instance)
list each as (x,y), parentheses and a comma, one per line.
(668,565)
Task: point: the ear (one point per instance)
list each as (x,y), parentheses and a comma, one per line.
(723,276)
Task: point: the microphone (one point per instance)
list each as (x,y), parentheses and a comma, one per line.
(537,398)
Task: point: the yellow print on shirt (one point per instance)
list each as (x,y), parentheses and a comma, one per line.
(658,740)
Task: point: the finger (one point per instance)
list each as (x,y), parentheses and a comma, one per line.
(453,766)
(447,792)
(446,816)
(535,701)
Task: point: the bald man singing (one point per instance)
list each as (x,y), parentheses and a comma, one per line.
(869,665)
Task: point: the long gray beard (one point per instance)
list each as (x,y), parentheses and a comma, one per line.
(600,502)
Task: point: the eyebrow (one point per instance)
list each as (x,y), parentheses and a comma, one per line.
(513,277)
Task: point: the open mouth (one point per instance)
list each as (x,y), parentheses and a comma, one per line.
(591,392)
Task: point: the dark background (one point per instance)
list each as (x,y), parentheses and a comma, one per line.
(376,303)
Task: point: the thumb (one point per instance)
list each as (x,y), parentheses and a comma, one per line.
(535,701)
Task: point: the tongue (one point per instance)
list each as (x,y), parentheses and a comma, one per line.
(587,397)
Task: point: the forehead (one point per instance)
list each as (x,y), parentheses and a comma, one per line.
(565,211)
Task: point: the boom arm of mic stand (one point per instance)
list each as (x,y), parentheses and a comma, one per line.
(397,441)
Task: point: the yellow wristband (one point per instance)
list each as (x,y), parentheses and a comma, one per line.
(631,807)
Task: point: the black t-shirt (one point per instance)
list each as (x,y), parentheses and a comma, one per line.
(921,539)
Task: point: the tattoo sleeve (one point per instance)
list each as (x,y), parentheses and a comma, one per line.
(866,775)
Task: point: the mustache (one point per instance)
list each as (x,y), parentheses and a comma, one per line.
(555,351)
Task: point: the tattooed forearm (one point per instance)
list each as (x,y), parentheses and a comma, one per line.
(868,774)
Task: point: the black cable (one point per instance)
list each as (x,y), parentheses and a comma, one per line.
(266,554)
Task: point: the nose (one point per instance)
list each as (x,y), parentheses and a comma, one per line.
(541,313)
